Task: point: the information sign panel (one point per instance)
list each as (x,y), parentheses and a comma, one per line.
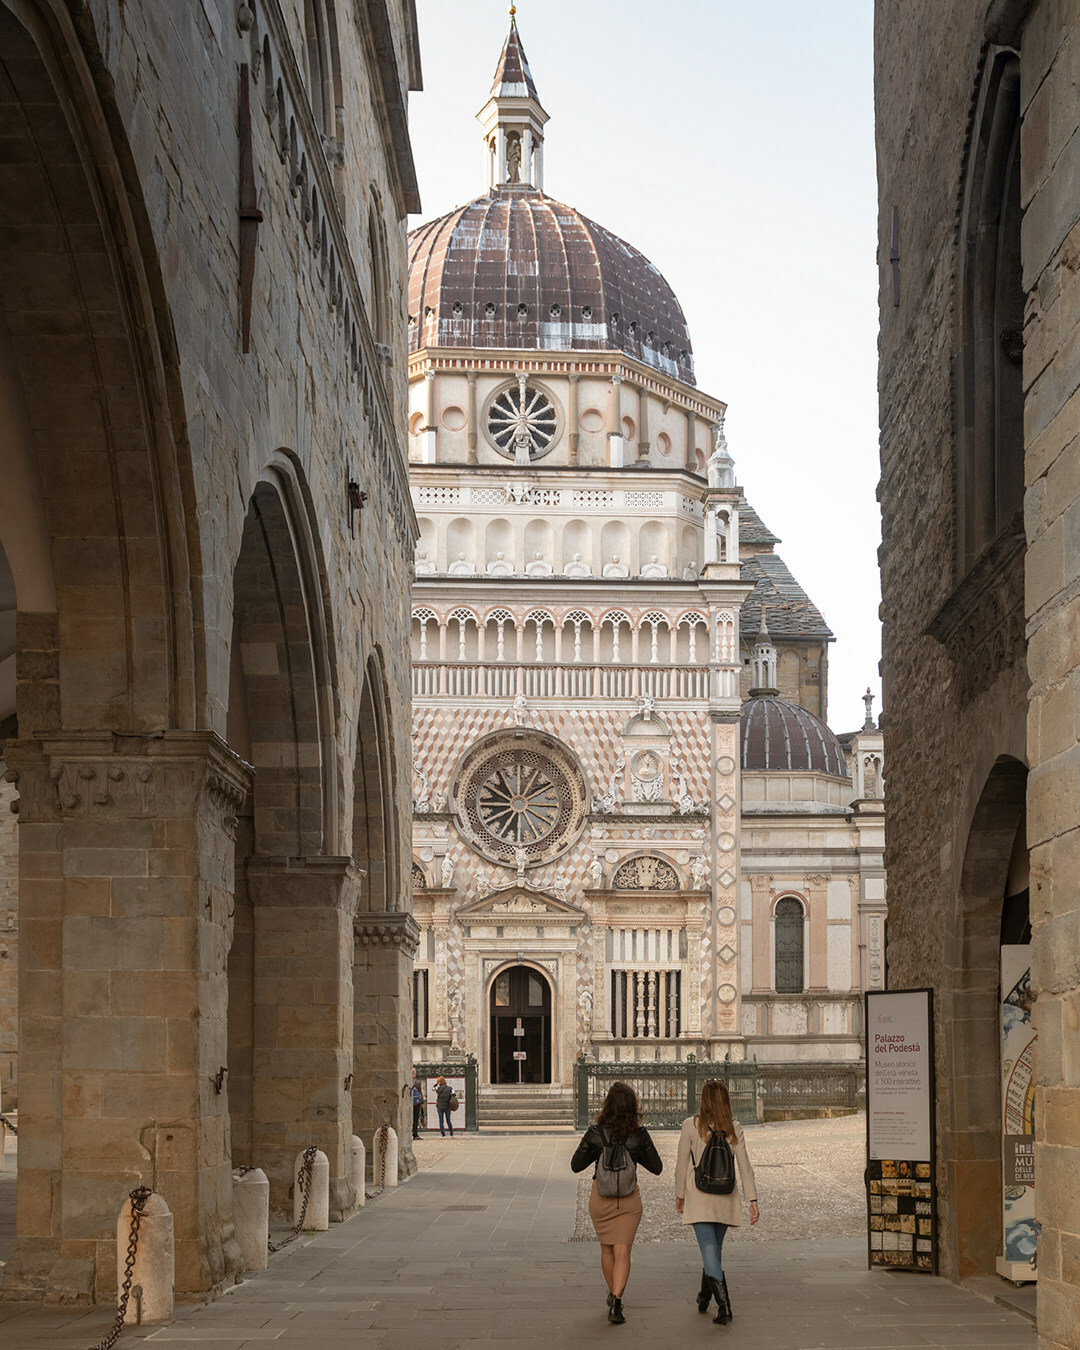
(519,1054)
(901,1185)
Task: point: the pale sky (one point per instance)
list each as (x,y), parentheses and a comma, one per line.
(733,144)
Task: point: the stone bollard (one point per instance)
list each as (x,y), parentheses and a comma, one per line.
(359,1169)
(384,1166)
(317,1218)
(155,1264)
(251,1217)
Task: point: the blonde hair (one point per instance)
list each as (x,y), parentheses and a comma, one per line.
(714,1112)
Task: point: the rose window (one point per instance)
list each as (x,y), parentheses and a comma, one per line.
(519,800)
(522,417)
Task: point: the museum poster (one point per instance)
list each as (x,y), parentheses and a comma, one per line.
(900,1183)
(1018,1117)
(431,1089)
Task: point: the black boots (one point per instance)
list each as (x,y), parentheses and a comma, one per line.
(723,1308)
(615,1312)
(727,1299)
(704,1294)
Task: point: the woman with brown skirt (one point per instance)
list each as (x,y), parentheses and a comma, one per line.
(615,1146)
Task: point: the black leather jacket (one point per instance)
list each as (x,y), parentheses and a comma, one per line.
(638,1144)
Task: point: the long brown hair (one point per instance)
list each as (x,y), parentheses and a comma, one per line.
(714,1113)
(620,1112)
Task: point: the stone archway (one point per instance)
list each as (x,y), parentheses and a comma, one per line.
(290,985)
(970,1014)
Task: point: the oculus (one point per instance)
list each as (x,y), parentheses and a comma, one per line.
(519,799)
(522,418)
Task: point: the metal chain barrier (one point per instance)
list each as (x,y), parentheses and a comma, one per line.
(384,1139)
(303,1180)
(138,1198)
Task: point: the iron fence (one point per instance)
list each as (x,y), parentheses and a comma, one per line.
(810,1089)
(668,1092)
(466,1069)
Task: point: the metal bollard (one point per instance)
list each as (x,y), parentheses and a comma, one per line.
(384,1157)
(359,1169)
(251,1217)
(317,1216)
(154,1270)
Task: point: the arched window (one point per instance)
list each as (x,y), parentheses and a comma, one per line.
(317,64)
(788,921)
(990,420)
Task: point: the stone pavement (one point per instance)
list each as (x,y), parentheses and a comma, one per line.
(475,1251)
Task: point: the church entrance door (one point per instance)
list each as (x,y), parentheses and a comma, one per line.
(520,1023)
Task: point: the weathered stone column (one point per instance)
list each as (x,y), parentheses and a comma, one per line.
(303,1044)
(126,868)
(385,947)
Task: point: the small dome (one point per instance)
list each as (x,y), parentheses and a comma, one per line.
(783,737)
(516,269)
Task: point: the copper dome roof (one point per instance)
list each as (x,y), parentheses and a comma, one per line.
(515,269)
(783,737)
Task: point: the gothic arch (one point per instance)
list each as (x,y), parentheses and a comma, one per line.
(95,518)
(990,403)
(282,705)
(646,871)
(375,825)
(972,1129)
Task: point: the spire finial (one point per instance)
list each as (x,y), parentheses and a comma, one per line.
(513,10)
(763,663)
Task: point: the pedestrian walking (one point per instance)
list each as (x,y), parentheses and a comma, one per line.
(615,1146)
(443,1093)
(417,1105)
(706,1193)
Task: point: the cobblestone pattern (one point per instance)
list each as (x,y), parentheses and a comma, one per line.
(809,1180)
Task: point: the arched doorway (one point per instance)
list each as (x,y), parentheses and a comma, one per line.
(520,1018)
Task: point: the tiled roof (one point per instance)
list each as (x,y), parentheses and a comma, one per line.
(782,737)
(752,529)
(513,78)
(515,269)
(789,611)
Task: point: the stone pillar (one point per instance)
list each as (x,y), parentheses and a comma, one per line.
(691,438)
(429,451)
(126,878)
(726,791)
(154,1272)
(643,442)
(384,950)
(303,912)
(616,444)
(9,945)
(251,1215)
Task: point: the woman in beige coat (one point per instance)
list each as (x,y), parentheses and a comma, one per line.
(712,1215)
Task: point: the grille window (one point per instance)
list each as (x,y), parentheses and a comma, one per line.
(789,922)
(646,1003)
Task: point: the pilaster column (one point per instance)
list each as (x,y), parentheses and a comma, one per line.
(125,921)
(429,435)
(574,432)
(691,437)
(725,796)
(302,1044)
(616,444)
(470,413)
(643,424)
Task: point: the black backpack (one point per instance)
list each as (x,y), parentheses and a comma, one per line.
(714,1171)
(616,1171)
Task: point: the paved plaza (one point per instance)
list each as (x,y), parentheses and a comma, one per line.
(479,1250)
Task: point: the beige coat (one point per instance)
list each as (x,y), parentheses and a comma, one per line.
(701,1208)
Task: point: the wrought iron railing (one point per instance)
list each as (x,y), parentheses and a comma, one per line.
(809,1089)
(667,1092)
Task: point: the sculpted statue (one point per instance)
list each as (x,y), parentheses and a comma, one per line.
(513,159)
(447,870)
(698,867)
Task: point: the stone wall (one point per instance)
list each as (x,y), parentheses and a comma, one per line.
(972,706)
(208,526)
(9,947)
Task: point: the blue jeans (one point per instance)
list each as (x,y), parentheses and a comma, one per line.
(444,1120)
(710,1239)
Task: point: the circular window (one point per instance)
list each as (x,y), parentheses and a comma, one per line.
(522,418)
(519,798)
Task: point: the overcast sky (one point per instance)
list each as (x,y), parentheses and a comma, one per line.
(733,144)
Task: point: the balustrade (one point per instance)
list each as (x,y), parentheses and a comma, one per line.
(464,679)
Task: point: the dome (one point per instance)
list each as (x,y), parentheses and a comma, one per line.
(516,269)
(782,737)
